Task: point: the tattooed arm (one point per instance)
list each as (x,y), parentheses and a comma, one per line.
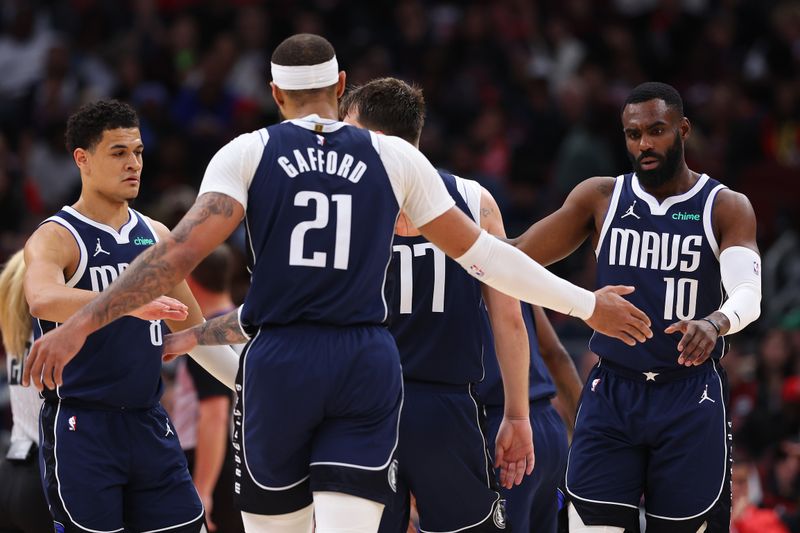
(222,330)
(212,218)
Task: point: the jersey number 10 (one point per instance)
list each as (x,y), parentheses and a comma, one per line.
(680,299)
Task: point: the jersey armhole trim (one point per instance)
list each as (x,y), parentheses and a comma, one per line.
(375,144)
(708,226)
(470,190)
(84,256)
(148,224)
(612,210)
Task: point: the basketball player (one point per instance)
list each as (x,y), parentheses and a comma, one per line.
(653,419)
(320,382)
(109,453)
(533,504)
(436,318)
(22,504)
(202,405)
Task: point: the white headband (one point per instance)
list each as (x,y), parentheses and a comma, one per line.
(306,76)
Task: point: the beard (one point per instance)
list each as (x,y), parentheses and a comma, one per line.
(665,171)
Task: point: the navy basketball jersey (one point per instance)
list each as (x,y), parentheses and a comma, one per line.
(668,252)
(540,384)
(120,364)
(319,222)
(435,305)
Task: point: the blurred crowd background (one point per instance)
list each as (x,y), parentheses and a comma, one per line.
(523,96)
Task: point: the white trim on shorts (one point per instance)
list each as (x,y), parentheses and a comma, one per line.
(244,447)
(566,477)
(486,469)
(58,482)
(391,453)
(724,461)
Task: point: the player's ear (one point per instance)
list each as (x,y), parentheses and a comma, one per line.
(81,157)
(340,85)
(277,94)
(685,127)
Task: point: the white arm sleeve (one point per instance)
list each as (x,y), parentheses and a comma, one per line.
(503,267)
(416,184)
(740,269)
(219,361)
(232,168)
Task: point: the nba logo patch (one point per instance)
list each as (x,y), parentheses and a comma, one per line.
(73,423)
(477,271)
(595,383)
(58,527)
(392,475)
(499,515)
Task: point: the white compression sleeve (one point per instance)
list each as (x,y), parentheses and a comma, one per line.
(503,267)
(740,269)
(219,361)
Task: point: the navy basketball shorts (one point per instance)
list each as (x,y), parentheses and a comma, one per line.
(109,470)
(664,436)
(533,504)
(444,461)
(317,410)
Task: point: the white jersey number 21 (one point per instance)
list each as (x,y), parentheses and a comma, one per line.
(341,249)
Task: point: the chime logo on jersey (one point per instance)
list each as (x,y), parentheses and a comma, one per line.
(685,216)
(143,241)
(73,422)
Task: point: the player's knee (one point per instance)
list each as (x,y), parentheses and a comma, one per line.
(296,522)
(576,525)
(337,512)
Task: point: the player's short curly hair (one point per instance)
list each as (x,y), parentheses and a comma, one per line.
(303,49)
(654,90)
(86,126)
(389,105)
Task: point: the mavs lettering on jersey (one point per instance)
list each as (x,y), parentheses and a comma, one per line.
(120,364)
(315,217)
(668,252)
(437,343)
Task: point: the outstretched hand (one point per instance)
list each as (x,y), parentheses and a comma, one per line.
(162,308)
(514,450)
(51,353)
(616,317)
(697,343)
(176,344)
(44,366)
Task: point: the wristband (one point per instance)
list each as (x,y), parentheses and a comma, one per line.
(716,327)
